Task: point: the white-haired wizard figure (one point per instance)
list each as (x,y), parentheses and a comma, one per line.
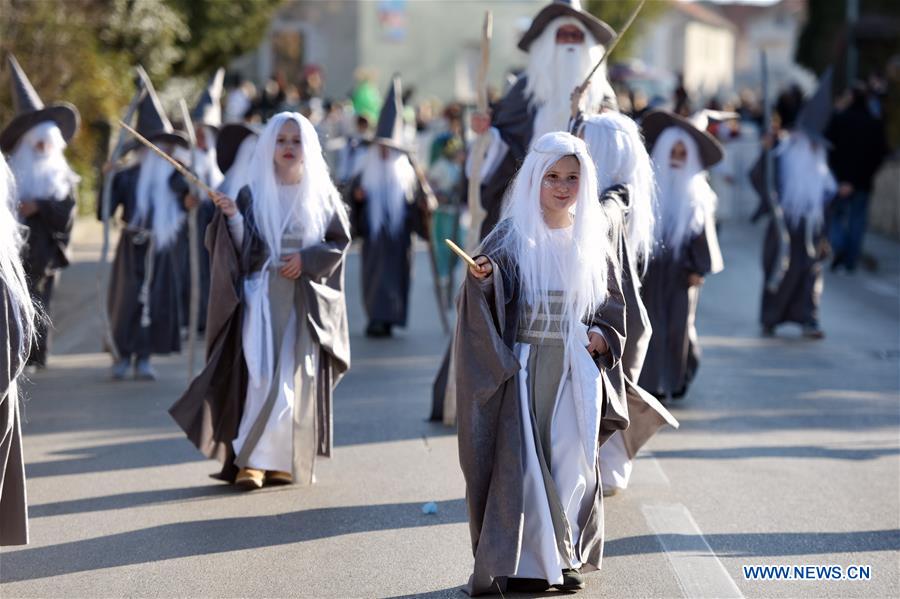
(35,141)
(685,249)
(563,44)
(541,327)
(804,186)
(628,199)
(277,337)
(386,197)
(144,289)
(206,117)
(16,334)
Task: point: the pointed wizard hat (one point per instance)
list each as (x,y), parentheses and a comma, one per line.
(389,131)
(657,121)
(208,110)
(152,121)
(602,32)
(816,111)
(30,110)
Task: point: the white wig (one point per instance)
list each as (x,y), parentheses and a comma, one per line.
(617,147)
(389,184)
(806,183)
(555,70)
(238,174)
(42,175)
(11,272)
(524,237)
(316,198)
(686,200)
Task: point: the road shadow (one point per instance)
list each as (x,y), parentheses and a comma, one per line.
(116,456)
(205,537)
(127,500)
(760,544)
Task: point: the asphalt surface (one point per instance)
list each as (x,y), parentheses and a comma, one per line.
(787,455)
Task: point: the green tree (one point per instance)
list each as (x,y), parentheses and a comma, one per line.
(84,51)
(616,13)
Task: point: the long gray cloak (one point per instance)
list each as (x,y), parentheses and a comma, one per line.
(490,427)
(129,269)
(210,410)
(673,354)
(645,414)
(13,502)
(797,297)
(386,260)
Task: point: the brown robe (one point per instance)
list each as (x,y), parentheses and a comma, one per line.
(13,503)
(490,426)
(645,414)
(210,410)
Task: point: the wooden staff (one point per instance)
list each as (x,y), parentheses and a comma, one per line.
(193,252)
(191,177)
(480,147)
(579,91)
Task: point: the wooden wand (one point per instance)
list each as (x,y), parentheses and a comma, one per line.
(178,167)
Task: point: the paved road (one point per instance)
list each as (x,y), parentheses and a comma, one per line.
(787,454)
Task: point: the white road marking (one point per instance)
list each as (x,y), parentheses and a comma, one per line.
(699,572)
(648,472)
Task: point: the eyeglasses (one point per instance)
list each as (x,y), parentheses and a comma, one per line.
(557,183)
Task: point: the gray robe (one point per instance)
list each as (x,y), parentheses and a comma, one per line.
(44,254)
(490,427)
(387,260)
(645,414)
(13,503)
(797,297)
(210,410)
(128,272)
(673,354)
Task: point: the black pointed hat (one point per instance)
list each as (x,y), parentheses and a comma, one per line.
(152,122)
(602,32)
(816,111)
(30,110)
(229,141)
(208,110)
(657,121)
(389,131)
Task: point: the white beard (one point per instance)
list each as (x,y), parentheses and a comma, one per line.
(44,176)
(806,181)
(207,169)
(388,185)
(153,191)
(555,70)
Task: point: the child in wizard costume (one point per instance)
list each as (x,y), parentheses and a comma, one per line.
(277,339)
(35,141)
(628,200)
(686,249)
(804,188)
(143,296)
(17,318)
(386,197)
(541,325)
